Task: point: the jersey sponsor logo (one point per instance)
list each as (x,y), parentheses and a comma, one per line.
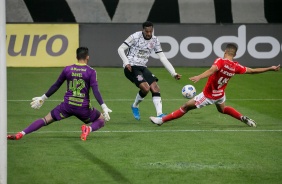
(217,91)
(217,94)
(78,69)
(227,73)
(75,104)
(229,68)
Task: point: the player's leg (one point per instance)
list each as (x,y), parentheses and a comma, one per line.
(144,89)
(222,108)
(175,114)
(156,97)
(136,77)
(94,118)
(142,93)
(228,110)
(37,124)
(96,125)
(155,90)
(198,101)
(58,113)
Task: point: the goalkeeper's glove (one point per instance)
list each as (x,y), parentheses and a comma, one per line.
(37,102)
(106,112)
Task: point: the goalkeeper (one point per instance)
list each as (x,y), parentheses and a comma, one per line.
(80,78)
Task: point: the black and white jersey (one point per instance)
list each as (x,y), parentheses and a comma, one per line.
(140,49)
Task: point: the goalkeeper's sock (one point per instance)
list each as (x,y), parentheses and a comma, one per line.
(174,115)
(34,126)
(232,112)
(96,125)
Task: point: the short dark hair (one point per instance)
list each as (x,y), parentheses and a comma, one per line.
(231,49)
(147,24)
(81,53)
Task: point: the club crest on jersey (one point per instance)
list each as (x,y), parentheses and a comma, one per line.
(150,45)
(139,77)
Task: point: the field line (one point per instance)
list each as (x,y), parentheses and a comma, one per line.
(154,131)
(173,99)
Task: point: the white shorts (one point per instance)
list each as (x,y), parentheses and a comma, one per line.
(202,101)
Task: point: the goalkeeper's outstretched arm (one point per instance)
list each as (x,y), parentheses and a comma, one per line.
(37,102)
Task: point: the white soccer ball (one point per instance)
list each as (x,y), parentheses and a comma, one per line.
(189,91)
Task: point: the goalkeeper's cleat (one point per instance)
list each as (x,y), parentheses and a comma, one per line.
(135,111)
(249,121)
(156,120)
(161,115)
(16,136)
(85,132)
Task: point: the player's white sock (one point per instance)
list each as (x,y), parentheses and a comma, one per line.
(157,100)
(138,100)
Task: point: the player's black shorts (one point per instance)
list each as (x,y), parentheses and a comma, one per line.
(140,74)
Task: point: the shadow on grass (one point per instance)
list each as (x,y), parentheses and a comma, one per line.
(115,174)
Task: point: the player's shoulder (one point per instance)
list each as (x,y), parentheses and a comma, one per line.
(137,34)
(74,66)
(236,62)
(90,68)
(155,38)
(218,60)
(69,67)
(239,66)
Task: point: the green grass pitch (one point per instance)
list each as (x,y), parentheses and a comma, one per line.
(204,146)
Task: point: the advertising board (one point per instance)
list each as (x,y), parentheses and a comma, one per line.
(188,44)
(41,45)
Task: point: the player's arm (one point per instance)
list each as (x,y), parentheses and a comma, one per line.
(205,74)
(261,70)
(55,87)
(168,66)
(98,96)
(37,102)
(121,51)
(99,99)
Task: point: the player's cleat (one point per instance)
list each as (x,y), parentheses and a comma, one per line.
(161,115)
(249,121)
(85,131)
(156,120)
(135,111)
(16,136)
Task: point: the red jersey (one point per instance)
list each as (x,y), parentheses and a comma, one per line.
(217,82)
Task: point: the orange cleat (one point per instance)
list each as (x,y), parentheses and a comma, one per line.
(16,136)
(85,131)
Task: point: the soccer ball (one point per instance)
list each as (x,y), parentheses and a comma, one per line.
(189,91)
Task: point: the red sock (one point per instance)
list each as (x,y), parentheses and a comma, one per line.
(174,115)
(232,112)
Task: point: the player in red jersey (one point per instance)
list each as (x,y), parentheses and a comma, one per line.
(218,76)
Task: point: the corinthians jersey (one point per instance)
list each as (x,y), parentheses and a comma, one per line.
(140,49)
